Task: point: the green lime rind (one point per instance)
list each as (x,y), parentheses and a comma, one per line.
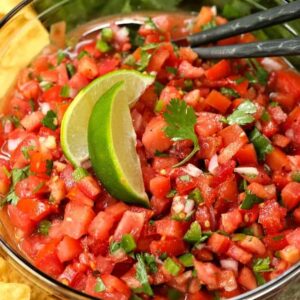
(75,122)
(111,145)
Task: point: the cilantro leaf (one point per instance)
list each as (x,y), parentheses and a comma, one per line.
(229,92)
(194,234)
(242,115)
(262,265)
(44,227)
(50,120)
(262,145)
(142,277)
(12,198)
(181,120)
(150,262)
(144,62)
(250,200)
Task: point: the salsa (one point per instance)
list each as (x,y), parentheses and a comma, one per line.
(219,146)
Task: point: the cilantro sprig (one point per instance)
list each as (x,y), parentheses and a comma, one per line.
(243,114)
(142,276)
(181,120)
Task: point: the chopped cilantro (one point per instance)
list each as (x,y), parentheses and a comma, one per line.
(174,294)
(262,265)
(49,166)
(60,57)
(82,54)
(15,120)
(209,25)
(150,24)
(143,63)
(45,86)
(158,87)
(160,154)
(181,120)
(25,150)
(196,195)
(12,198)
(149,260)
(44,227)
(259,279)
(250,200)
(265,116)
(188,85)
(114,247)
(229,92)
(142,276)
(150,46)
(171,194)
(159,106)
(50,120)
(99,286)
(19,174)
(262,145)
(32,104)
(171,70)
(243,114)
(273,104)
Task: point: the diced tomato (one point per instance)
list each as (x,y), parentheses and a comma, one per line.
(233,133)
(107,65)
(280,140)
(293,238)
(163,163)
(205,16)
(231,220)
(36,209)
(239,254)
(39,162)
(253,245)
(20,219)
(89,186)
(290,253)
(30,90)
(30,187)
(101,226)
(208,273)
(131,222)
(188,71)
(275,242)
(67,177)
(228,281)
(33,121)
(78,81)
(117,210)
(158,59)
(170,228)
(247,279)
(53,94)
(169,93)
(77,196)
(170,246)
(247,155)
(277,160)
(187,54)
(220,70)
(88,67)
(208,124)
(47,260)
(154,138)
(272,216)
(218,101)
(77,219)
(160,186)
(218,243)
(68,249)
(291,195)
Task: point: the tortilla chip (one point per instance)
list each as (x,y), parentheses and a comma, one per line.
(14,291)
(22,39)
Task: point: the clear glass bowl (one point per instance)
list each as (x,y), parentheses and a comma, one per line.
(78,12)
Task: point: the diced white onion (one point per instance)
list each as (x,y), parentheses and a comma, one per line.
(13,144)
(230,264)
(246,171)
(177,207)
(189,206)
(271,64)
(48,142)
(192,170)
(213,164)
(45,107)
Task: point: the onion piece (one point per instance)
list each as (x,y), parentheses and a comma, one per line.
(13,144)
(213,164)
(192,170)
(246,171)
(189,206)
(230,264)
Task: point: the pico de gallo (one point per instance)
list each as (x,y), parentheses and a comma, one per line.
(219,145)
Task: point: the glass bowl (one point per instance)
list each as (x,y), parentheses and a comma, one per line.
(26,25)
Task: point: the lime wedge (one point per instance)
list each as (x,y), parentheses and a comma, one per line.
(112,147)
(75,122)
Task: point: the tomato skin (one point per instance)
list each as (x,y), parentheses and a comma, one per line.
(219,243)
(101,225)
(131,222)
(220,70)
(77,219)
(291,195)
(158,59)
(68,249)
(171,246)
(20,219)
(33,121)
(36,209)
(205,16)
(154,138)
(160,186)
(47,260)
(30,90)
